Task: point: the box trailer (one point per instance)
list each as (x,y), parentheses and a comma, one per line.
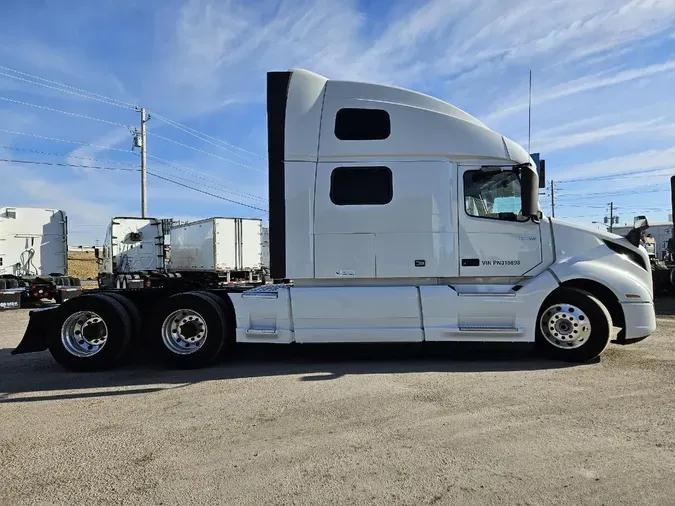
(230,247)
(34,256)
(393,217)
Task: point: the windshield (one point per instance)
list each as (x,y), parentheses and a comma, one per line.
(493,194)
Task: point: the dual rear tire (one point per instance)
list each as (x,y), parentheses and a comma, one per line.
(95,331)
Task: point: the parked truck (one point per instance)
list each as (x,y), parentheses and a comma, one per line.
(34,256)
(133,253)
(393,217)
(204,254)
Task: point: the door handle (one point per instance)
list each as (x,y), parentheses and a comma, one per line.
(470,262)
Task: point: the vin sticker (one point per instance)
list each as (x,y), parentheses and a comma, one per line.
(348,273)
(500,262)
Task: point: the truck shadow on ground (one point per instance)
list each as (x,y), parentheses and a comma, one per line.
(24,374)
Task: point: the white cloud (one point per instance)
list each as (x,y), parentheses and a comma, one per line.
(580,85)
(553,139)
(650,159)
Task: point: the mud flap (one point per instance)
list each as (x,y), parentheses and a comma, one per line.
(35,337)
(69,293)
(10,299)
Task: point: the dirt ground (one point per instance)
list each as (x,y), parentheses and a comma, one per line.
(343,425)
(82,264)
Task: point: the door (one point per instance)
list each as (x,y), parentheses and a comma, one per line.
(495,240)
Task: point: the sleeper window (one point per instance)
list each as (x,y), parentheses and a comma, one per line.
(359,186)
(362,124)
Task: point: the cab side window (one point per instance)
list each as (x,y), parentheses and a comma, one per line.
(493,195)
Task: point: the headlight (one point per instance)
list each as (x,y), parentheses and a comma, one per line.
(627,252)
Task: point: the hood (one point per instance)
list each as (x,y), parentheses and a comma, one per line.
(599,234)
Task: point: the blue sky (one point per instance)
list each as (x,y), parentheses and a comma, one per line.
(603,81)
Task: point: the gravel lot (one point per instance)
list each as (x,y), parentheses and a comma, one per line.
(322,426)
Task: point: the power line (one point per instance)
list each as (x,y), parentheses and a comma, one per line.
(36,162)
(200,175)
(101,120)
(14,132)
(614,194)
(62,155)
(126,105)
(81,91)
(57,164)
(205,192)
(205,152)
(617,175)
(204,137)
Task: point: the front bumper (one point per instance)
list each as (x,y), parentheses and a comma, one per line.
(640,318)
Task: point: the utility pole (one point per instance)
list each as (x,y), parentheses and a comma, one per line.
(611,216)
(552,200)
(144,162)
(139,142)
(611,219)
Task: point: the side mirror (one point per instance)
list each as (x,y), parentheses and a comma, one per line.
(641,223)
(529,182)
(635,233)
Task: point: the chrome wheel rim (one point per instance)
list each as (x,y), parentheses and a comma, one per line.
(84,334)
(565,326)
(184,331)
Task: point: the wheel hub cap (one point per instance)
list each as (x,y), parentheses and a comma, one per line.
(184,331)
(565,326)
(84,334)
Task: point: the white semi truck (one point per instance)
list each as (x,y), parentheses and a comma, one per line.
(34,256)
(393,217)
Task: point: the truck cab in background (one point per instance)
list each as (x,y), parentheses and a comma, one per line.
(34,256)
(133,248)
(393,217)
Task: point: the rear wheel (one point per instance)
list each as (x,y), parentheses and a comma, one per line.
(90,333)
(75,281)
(3,284)
(190,330)
(573,326)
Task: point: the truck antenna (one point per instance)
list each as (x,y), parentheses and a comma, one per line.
(529,115)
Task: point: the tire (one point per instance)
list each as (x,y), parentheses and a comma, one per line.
(3,284)
(132,311)
(12,283)
(578,324)
(75,282)
(65,281)
(231,328)
(200,343)
(75,315)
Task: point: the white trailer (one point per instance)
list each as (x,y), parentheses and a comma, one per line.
(229,247)
(34,256)
(393,216)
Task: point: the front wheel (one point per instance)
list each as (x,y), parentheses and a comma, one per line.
(573,326)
